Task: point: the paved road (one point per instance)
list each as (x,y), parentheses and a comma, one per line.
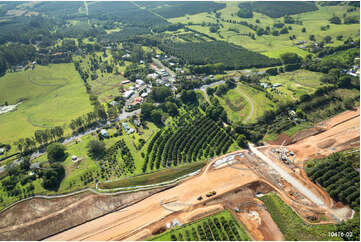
(204,87)
(290,179)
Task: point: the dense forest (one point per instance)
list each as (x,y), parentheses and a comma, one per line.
(277,9)
(174,9)
(231,56)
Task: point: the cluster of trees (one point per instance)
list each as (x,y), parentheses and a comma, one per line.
(42,137)
(134,71)
(179,9)
(120,150)
(339,178)
(245,12)
(222,89)
(348,44)
(160,94)
(214,52)
(291,61)
(52,176)
(279,9)
(168,104)
(201,138)
(215,110)
(101,114)
(15,54)
(96,149)
(211,229)
(339,60)
(15,184)
(169,27)
(56,152)
(125,12)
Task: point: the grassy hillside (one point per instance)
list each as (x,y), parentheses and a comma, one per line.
(245,104)
(274,46)
(54,95)
(294,84)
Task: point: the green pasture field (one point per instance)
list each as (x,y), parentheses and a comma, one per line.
(274,46)
(53,95)
(295,84)
(291,225)
(154,177)
(166,236)
(245,103)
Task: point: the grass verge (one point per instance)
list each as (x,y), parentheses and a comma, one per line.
(291,225)
(153,178)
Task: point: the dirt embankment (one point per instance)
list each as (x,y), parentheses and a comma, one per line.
(319,128)
(341,132)
(40,218)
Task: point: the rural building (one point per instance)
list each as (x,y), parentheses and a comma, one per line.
(113,103)
(127,129)
(276,85)
(153,75)
(139,82)
(137,122)
(292,113)
(128,94)
(74,158)
(264,85)
(126,56)
(2,151)
(138,100)
(104,133)
(125,82)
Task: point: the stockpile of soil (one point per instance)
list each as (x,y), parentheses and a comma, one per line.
(281,138)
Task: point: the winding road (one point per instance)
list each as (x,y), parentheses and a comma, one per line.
(250,101)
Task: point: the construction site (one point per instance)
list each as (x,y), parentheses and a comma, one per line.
(233,181)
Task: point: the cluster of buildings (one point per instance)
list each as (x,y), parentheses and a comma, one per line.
(355,69)
(127,129)
(136,94)
(284,154)
(267,85)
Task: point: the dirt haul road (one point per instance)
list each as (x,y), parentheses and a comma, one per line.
(122,224)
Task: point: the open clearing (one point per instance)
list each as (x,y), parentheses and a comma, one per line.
(53,95)
(295,84)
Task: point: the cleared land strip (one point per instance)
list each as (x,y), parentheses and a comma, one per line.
(310,195)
